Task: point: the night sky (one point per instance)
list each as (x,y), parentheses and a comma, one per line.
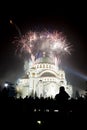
(72,23)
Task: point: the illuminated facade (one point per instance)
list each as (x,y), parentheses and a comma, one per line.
(42,79)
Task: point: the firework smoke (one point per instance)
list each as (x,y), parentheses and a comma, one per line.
(37,44)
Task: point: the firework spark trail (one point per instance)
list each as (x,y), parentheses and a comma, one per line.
(17,28)
(53,44)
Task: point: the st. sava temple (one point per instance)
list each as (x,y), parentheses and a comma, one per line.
(43,78)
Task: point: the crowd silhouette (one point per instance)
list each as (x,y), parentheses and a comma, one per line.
(42,113)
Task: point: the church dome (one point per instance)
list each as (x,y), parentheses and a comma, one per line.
(45,60)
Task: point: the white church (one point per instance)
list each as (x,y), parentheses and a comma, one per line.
(42,79)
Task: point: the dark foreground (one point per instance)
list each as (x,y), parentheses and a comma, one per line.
(42,113)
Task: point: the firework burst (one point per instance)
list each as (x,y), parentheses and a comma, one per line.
(36,43)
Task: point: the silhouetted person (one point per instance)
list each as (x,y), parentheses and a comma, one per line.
(62,103)
(5,93)
(63,96)
(77,94)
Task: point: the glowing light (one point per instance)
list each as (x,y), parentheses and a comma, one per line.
(39,122)
(56,110)
(6,85)
(47,110)
(35,110)
(11,22)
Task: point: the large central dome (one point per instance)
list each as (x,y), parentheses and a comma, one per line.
(45,60)
(46,57)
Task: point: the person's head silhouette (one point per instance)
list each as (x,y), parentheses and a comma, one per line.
(62,89)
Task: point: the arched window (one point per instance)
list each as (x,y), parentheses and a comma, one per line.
(43,65)
(46,66)
(40,66)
